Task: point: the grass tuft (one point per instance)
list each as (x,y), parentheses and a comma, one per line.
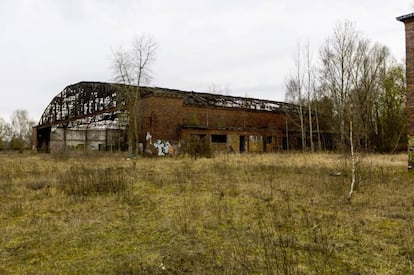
(82,181)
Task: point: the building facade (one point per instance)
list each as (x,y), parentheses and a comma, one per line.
(94,116)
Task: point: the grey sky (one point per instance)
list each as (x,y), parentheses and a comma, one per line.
(246,46)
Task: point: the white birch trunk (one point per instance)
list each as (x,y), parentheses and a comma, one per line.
(351,191)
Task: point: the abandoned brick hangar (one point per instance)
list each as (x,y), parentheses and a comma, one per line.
(88,116)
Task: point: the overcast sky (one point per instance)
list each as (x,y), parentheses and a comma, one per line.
(247,47)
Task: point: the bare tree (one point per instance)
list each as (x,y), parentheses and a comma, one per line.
(294,92)
(299,79)
(352,70)
(368,70)
(317,124)
(337,56)
(133,67)
(301,90)
(219,89)
(391,109)
(21,129)
(291,86)
(5,133)
(309,92)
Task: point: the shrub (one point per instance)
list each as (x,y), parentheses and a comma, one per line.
(36,185)
(17,144)
(197,146)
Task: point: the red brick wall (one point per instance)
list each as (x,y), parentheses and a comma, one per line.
(161,115)
(409,38)
(222,118)
(164,116)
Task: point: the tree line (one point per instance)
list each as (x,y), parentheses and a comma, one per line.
(16,134)
(352,82)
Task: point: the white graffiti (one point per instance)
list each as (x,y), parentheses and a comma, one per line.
(163,148)
(149,138)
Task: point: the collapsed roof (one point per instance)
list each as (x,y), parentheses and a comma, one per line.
(98,104)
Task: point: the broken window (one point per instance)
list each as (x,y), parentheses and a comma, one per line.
(218,138)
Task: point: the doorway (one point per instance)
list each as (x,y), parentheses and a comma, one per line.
(242,147)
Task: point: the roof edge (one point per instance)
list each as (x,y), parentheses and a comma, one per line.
(405,17)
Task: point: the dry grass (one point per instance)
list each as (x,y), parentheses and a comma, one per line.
(234,214)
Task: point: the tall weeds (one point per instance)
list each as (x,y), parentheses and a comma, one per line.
(82,181)
(232,214)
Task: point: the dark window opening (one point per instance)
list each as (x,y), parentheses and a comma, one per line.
(218,138)
(242,144)
(285,143)
(268,139)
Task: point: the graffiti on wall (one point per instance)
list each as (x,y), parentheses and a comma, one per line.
(163,148)
(148,137)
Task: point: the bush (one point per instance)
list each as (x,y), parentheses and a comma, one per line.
(17,144)
(197,147)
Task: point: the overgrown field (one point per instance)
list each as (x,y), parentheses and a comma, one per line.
(232,214)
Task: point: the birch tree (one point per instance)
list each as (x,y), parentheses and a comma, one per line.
(310,85)
(300,89)
(299,80)
(294,92)
(293,95)
(351,145)
(351,70)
